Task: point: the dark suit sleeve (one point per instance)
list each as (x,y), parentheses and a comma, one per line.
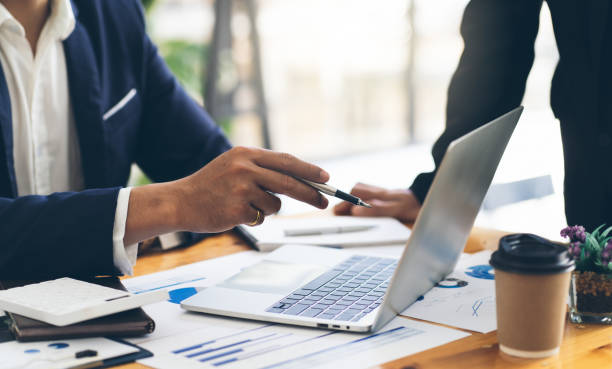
(490,79)
(57,235)
(177,136)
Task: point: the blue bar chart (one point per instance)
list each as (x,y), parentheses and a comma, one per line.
(268,346)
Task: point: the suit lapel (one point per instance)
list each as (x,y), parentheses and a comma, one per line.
(8,187)
(84,84)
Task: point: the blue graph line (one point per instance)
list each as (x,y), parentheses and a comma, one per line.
(180,351)
(220,355)
(265,349)
(217,348)
(335,347)
(263,339)
(481,272)
(475,306)
(276,349)
(184,349)
(225,362)
(376,335)
(168,285)
(239,343)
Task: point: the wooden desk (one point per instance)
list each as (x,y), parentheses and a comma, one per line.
(587,347)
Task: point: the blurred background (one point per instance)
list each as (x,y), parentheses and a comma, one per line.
(359,87)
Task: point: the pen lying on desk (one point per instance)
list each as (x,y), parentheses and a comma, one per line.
(327,230)
(331,191)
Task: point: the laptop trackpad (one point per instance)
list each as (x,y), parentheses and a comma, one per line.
(273,277)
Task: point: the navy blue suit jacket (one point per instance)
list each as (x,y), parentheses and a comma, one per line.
(161,129)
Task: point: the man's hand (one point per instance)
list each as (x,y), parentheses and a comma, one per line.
(230,189)
(226,192)
(400,204)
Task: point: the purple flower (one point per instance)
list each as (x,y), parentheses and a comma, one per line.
(574,250)
(565,232)
(575,233)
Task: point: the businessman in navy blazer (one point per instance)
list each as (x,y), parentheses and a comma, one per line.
(119,105)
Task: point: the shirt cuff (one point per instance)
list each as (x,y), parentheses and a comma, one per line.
(124,257)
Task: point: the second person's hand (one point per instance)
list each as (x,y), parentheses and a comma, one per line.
(401,204)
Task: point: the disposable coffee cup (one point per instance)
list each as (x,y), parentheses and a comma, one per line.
(532,277)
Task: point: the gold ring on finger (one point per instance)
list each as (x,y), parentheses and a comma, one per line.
(257,219)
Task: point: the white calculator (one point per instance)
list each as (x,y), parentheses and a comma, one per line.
(67,301)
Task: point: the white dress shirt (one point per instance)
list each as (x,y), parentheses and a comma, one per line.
(45,144)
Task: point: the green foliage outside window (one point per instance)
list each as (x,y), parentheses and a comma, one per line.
(147,4)
(185,59)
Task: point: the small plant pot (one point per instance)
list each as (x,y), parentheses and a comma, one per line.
(591,298)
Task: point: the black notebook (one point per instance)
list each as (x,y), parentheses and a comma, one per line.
(130,323)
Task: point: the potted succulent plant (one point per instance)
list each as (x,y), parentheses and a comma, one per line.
(591,283)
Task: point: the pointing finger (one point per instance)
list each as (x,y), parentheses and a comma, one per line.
(287,163)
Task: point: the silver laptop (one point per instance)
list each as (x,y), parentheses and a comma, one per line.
(340,289)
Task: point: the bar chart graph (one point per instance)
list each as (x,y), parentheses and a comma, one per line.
(242,344)
(247,344)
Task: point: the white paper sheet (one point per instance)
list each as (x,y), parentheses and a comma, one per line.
(58,353)
(466,299)
(236,344)
(386,231)
(203,273)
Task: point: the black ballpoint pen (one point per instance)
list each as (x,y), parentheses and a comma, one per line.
(331,191)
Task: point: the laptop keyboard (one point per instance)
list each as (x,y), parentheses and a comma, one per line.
(347,292)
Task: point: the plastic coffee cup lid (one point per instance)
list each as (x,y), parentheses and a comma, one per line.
(530,254)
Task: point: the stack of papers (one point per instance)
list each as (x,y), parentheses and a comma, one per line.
(334,231)
(192,340)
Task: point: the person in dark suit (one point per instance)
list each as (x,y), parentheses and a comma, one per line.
(490,80)
(84,94)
